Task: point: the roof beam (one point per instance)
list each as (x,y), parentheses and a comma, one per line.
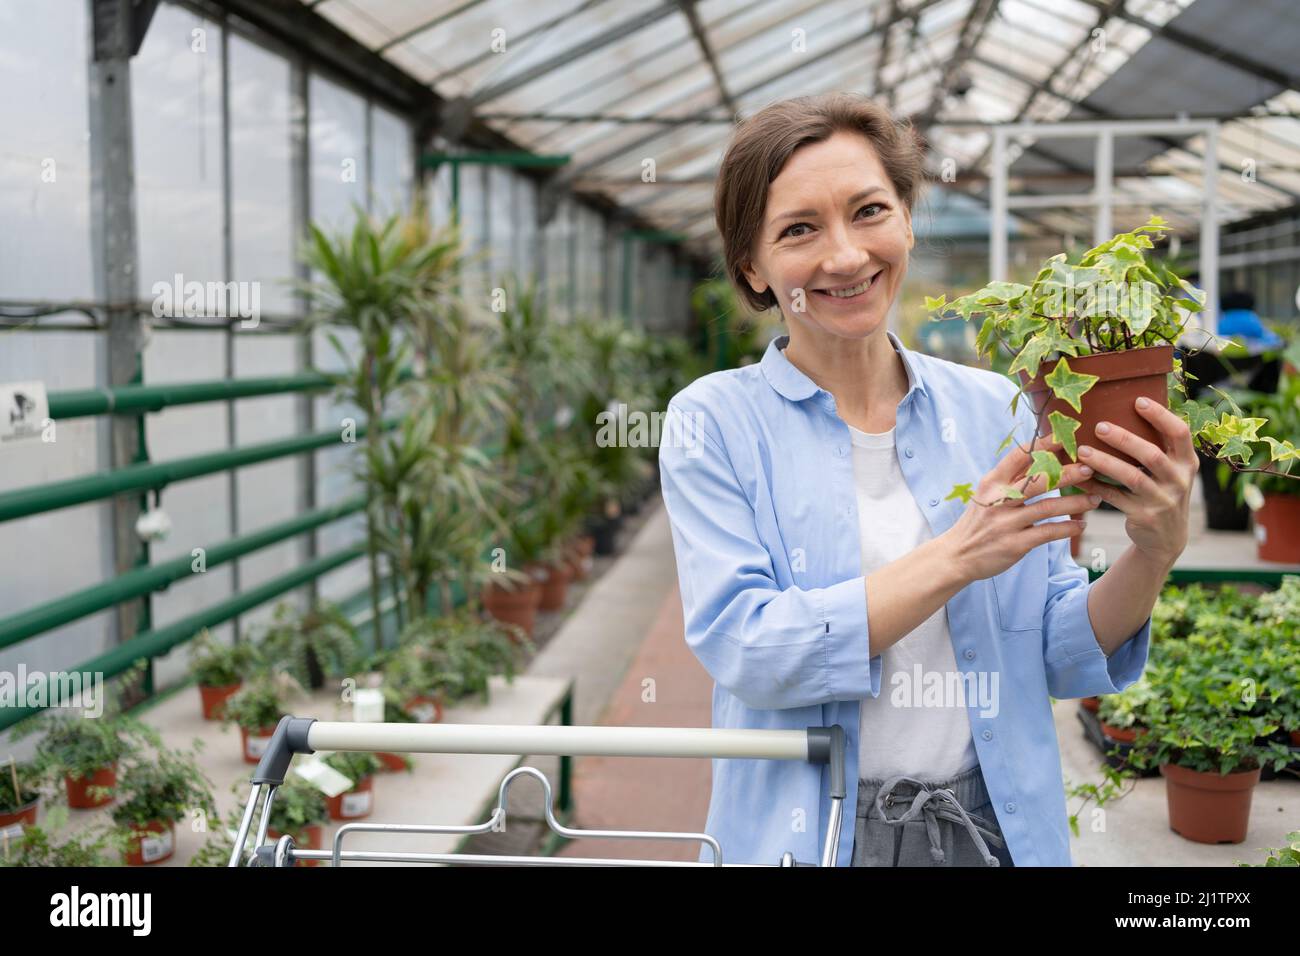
(427,25)
(972,31)
(702,41)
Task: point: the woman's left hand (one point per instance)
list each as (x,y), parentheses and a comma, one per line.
(1158,499)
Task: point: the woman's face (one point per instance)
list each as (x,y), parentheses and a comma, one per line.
(832,222)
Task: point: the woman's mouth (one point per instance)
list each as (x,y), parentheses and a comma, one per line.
(851,293)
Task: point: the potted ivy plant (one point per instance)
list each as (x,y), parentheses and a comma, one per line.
(301,811)
(358,801)
(1088,339)
(220,669)
(157,790)
(20,795)
(311,645)
(256,709)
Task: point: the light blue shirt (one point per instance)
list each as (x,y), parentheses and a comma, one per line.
(757,477)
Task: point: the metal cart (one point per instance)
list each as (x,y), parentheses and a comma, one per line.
(295,735)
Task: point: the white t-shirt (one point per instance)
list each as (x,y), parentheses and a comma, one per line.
(917,726)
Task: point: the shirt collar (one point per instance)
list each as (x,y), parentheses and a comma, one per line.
(788,380)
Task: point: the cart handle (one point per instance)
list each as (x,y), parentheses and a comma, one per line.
(294,735)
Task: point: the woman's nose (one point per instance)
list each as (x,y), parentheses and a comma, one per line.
(844,257)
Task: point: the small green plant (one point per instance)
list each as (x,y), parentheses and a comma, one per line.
(297,805)
(311,645)
(257,706)
(1111,788)
(1288,855)
(164,786)
(45,845)
(354,765)
(21,784)
(77,746)
(455,656)
(1114,299)
(216,664)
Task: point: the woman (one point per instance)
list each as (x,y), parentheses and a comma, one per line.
(826,577)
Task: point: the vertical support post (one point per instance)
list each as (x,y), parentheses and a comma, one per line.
(1103,186)
(116,263)
(228,272)
(998,208)
(573,260)
(627,276)
(300,200)
(1209,246)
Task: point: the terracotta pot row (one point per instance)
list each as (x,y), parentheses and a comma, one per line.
(546,591)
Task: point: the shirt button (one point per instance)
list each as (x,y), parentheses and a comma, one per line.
(934,502)
(970,655)
(987,735)
(841,450)
(1011,808)
(909,453)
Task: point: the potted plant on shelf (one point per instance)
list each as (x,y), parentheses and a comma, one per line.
(301,811)
(1270,490)
(256,710)
(1090,338)
(157,790)
(20,795)
(1205,734)
(461,652)
(46,845)
(311,646)
(220,669)
(358,801)
(85,753)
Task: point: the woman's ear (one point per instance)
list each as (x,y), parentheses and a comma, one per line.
(753,278)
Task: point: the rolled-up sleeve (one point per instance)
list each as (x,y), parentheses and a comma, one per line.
(771,647)
(1076,665)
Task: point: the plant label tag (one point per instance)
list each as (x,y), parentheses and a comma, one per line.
(10,833)
(368,705)
(323,777)
(256,746)
(356,804)
(157,847)
(24,411)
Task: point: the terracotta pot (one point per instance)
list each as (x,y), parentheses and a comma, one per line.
(1209,807)
(214,698)
(79,797)
(1091,704)
(25,815)
(1123,735)
(1124,376)
(150,843)
(426,709)
(1277,529)
(1295,737)
(355,803)
(312,837)
(253,744)
(555,588)
(393,763)
(514,607)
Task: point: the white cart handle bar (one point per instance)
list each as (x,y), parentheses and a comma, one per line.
(295,735)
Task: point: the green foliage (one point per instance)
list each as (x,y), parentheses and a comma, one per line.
(354,765)
(259,704)
(1115,298)
(46,844)
(1288,855)
(214,663)
(20,784)
(77,746)
(454,656)
(166,785)
(310,645)
(297,805)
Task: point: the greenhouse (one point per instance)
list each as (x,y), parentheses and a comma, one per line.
(417,415)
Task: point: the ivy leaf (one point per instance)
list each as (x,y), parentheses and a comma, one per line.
(934,305)
(1070,386)
(964,493)
(1281,450)
(1006,441)
(1063,429)
(1046,463)
(1029,357)
(1196,414)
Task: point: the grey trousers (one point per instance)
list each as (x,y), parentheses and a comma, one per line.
(905,822)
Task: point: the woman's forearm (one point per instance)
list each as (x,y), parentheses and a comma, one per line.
(1121,599)
(903,594)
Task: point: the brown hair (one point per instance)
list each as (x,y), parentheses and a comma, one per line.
(761,146)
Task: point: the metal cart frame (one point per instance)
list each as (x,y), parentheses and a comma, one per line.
(295,735)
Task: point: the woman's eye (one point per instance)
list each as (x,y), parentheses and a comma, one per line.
(786,231)
(872,205)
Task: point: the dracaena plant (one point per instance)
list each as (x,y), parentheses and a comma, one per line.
(1115,298)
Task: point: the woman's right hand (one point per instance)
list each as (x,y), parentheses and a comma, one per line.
(989,538)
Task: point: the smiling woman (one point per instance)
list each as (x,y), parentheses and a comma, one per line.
(820,553)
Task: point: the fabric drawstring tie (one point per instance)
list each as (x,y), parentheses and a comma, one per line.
(936,805)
